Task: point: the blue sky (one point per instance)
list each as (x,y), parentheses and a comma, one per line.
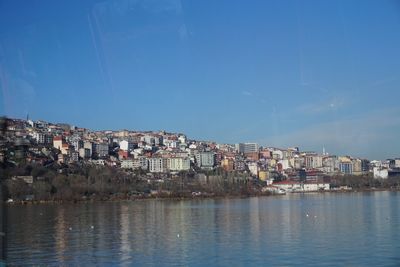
(281,73)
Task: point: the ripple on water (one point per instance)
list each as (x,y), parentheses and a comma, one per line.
(340,229)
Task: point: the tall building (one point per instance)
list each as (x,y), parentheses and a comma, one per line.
(158,164)
(88,145)
(246,147)
(313,161)
(178,163)
(205,159)
(77,144)
(101,150)
(345,165)
(42,138)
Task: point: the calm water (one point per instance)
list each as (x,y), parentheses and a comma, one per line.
(351,229)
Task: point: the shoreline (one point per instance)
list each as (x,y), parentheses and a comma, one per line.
(187,197)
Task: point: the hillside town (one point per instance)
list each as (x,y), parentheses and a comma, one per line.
(159,156)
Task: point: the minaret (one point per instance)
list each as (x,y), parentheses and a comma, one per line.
(323,151)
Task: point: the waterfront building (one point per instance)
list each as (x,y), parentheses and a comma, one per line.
(292,186)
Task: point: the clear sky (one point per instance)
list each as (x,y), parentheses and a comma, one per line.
(281,73)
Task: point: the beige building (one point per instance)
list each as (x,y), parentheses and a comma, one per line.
(357,170)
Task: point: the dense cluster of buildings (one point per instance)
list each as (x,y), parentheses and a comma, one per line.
(161,152)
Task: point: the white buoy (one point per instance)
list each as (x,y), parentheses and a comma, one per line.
(92,227)
(177,235)
(70,228)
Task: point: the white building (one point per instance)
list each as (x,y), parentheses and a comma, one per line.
(158,164)
(171,143)
(380,173)
(42,138)
(126,145)
(152,140)
(330,164)
(179,163)
(253,168)
(127,164)
(182,138)
(285,164)
(313,161)
(277,154)
(290,186)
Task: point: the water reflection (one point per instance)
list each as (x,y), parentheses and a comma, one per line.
(292,229)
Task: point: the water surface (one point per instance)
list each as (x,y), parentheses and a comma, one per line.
(350,229)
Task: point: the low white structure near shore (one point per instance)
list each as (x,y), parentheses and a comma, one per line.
(291,186)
